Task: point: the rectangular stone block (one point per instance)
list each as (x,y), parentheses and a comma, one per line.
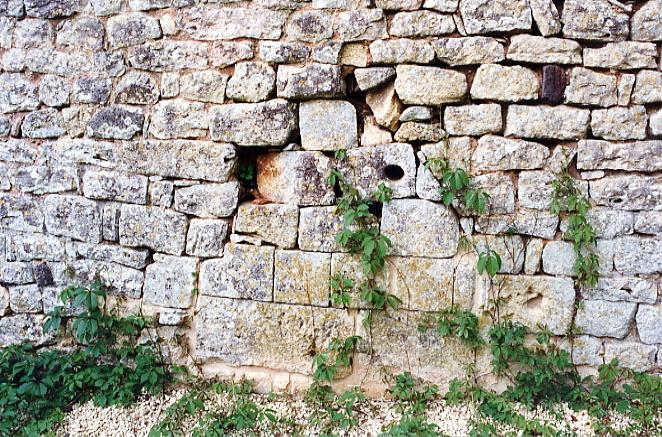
(164,55)
(302,277)
(620,123)
(170,281)
(277,336)
(73,216)
(505,84)
(134,258)
(547,122)
(598,20)
(417,85)
(638,255)
(633,156)
(178,118)
(20,213)
(626,55)
(602,318)
(244,272)
(587,87)
(469,50)
(309,82)
(15,272)
(22,328)
(328,125)
(29,247)
(501,192)
(152,227)
(623,289)
(537,223)
(318,228)
(360,25)
(206,237)
(231,23)
(509,247)
(120,279)
(208,200)
(120,187)
(273,223)
(25,299)
(540,50)
(497,153)
(474,120)
(628,192)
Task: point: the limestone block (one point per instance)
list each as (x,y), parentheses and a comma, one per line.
(72,216)
(328,125)
(638,255)
(295,177)
(498,16)
(269,123)
(421,23)
(625,55)
(283,52)
(170,281)
(22,328)
(168,55)
(208,200)
(587,87)
(84,32)
(109,185)
(401,51)
(203,86)
(360,25)
(137,88)
(302,277)
(620,123)
(629,192)
(598,20)
(16,272)
(394,165)
(646,23)
(509,247)
(244,272)
(474,120)
(309,82)
(501,192)
(416,113)
(19,151)
(648,323)
(534,248)
(122,280)
(205,237)
(45,123)
(655,122)
(469,50)
(25,299)
(273,223)
(420,228)
(29,247)
(52,9)
(203,23)
(497,153)
(278,336)
(153,227)
(4,301)
(310,26)
(415,131)
(54,91)
(20,213)
(546,16)
(226,53)
(134,258)
(558,258)
(116,122)
(648,87)
(630,354)
(623,289)
(547,122)
(417,85)
(537,223)
(131,29)
(251,82)
(505,84)
(43,179)
(385,106)
(318,227)
(587,350)
(441,5)
(605,319)
(178,119)
(649,222)
(607,222)
(369,78)
(539,50)
(374,135)
(634,156)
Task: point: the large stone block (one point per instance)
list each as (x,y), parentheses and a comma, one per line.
(509,247)
(134,258)
(310,26)
(599,20)
(497,153)
(137,88)
(295,177)
(607,222)
(309,82)
(203,86)
(30,247)
(421,23)
(648,87)
(178,118)
(273,223)
(604,155)
(638,255)
(401,51)
(501,192)
(131,29)
(649,222)
(505,84)
(360,25)
(226,53)
(648,323)
(497,16)
(587,87)
(17,93)
(646,23)
(116,122)
(277,336)
(251,82)
(153,227)
(631,354)
(205,237)
(302,277)
(110,185)
(204,23)
(328,125)
(25,299)
(73,216)
(208,200)
(474,120)
(170,281)
(52,9)
(469,50)
(539,50)
(318,228)
(16,272)
(20,213)
(270,123)
(627,55)
(168,55)
(394,165)
(602,318)
(122,280)
(369,78)
(537,223)
(23,328)
(623,289)
(620,123)
(547,122)
(418,85)
(420,228)
(629,192)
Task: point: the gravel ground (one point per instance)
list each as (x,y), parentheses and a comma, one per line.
(373,415)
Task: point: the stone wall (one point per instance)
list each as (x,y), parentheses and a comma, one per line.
(124,124)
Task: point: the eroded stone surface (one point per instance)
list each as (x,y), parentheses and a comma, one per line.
(587,87)
(208,200)
(598,20)
(557,122)
(418,85)
(160,230)
(302,277)
(170,281)
(205,237)
(498,153)
(622,56)
(629,192)
(474,120)
(603,318)
(646,23)
(273,223)
(72,216)
(499,16)
(634,156)
(508,84)
(539,50)
(328,125)
(310,81)
(469,50)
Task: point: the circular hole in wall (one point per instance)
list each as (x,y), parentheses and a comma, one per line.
(393,172)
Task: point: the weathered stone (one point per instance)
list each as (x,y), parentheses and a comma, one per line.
(398,5)
(273,223)
(295,177)
(45,123)
(302,277)
(535,188)
(83,32)
(42,179)
(120,187)
(264,334)
(648,88)
(158,229)
(648,323)
(598,20)
(558,258)
(310,81)
(30,247)
(534,248)
(170,281)
(509,247)
(399,51)
(361,25)
(310,26)
(116,122)
(469,50)
(25,299)
(270,123)
(629,192)
(244,271)
(137,88)
(54,91)
(587,350)
(630,354)
(415,131)
(91,90)
(552,122)
(318,227)
(17,93)
(620,123)
(110,63)
(416,113)
(30,33)
(72,216)
(385,106)
(506,84)
(110,221)
(168,55)
(539,50)
(474,120)
(121,280)
(623,289)
(647,22)
(20,213)
(134,258)
(132,29)
(655,122)
(4,301)
(607,222)
(20,151)
(356,54)
(205,237)
(498,153)
(625,88)
(204,23)
(226,53)
(208,200)
(23,328)
(178,118)
(203,86)
(441,5)
(635,156)
(546,16)
(327,125)
(327,52)
(12,8)
(497,16)
(251,82)
(374,135)
(16,272)
(43,275)
(421,23)
(420,228)
(602,318)
(625,55)
(637,255)
(532,222)
(394,165)
(417,85)
(649,222)
(284,52)
(587,87)
(52,8)
(172,316)
(369,78)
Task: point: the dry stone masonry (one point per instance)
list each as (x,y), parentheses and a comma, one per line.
(178,151)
